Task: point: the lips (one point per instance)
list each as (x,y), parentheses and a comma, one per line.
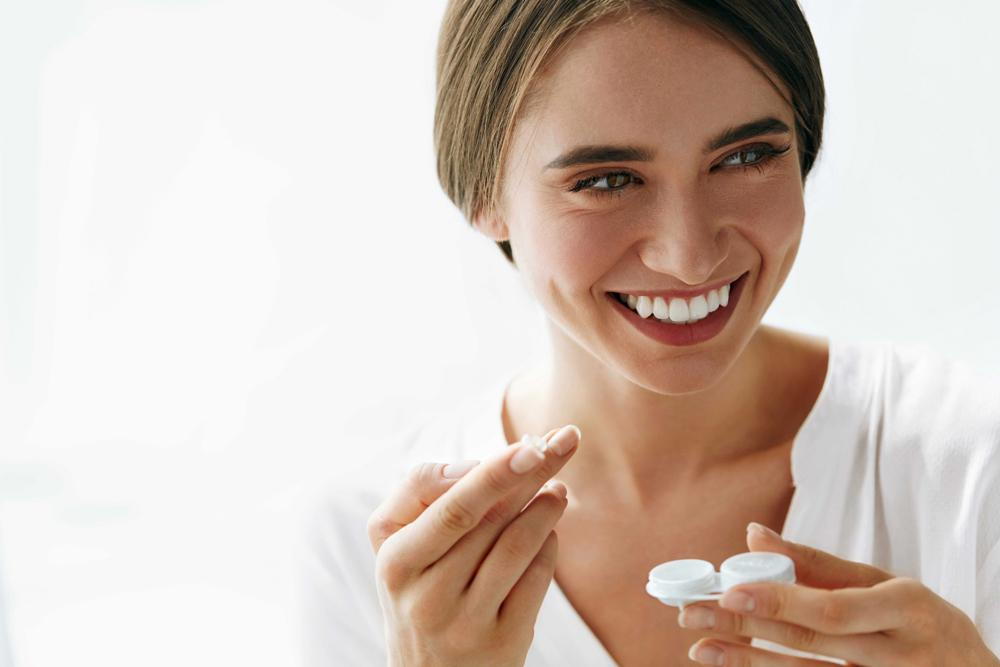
(675,334)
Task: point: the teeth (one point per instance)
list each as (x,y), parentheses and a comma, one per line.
(699,307)
(713,301)
(644,306)
(660,308)
(678,310)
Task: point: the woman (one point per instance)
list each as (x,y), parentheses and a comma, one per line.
(642,165)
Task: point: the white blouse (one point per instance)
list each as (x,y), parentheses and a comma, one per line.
(896,465)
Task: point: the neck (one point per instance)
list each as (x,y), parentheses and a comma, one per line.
(639,445)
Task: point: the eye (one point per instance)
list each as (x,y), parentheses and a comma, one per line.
(761,156)
(616,181)
(758,156)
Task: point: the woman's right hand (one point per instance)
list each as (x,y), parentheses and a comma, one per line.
(462,566)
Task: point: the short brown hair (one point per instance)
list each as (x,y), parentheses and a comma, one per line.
(490,50)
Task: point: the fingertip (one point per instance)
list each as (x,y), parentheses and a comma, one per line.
(558,487)
(457,470)
(763,531)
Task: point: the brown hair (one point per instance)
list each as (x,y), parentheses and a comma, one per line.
(490,50)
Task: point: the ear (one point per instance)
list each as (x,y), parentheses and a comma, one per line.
(492,225)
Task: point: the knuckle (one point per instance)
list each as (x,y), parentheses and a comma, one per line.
(810,556)
(424,612)
(454,517)
(918,610)
(774,604)
(740,624)
(496,482)
(515,544)
(499,513)
(391,571)
(419,472)
(379,526)
(546,556)
(800,636)
(833,614)
(916,591)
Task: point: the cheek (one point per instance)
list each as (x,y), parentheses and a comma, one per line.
(573,247)
(772,217)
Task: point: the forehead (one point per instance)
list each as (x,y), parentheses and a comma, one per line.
(648,78)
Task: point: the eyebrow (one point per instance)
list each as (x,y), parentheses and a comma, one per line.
(606,153)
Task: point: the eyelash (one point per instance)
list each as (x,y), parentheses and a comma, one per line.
(769,153)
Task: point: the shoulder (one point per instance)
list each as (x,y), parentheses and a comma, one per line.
(938,403)
(937,424)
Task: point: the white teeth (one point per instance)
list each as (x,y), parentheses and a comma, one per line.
(713,301)
(679,310)
(699,307)
(660,308)
(644,306)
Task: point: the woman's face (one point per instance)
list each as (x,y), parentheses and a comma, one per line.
(685,218)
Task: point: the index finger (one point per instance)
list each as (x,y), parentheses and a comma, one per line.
(463,506)
(424,484)
(840,611)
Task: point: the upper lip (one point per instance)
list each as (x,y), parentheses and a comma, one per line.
(681,294)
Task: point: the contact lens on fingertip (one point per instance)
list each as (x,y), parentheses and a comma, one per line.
(538,443)
(678,582)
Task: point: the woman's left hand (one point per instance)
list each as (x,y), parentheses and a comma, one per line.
(845,609)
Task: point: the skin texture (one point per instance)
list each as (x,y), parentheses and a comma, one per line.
(693,220)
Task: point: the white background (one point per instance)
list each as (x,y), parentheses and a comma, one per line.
(225,261)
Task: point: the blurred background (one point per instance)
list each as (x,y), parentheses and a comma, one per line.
(225,256)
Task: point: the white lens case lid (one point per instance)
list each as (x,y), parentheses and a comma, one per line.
(678,582)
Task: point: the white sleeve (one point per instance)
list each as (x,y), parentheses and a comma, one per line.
(988,535)
(988,602)
(339,616)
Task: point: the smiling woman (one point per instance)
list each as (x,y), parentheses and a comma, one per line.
(644,164)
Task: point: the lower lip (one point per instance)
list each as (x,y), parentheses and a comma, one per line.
(684,334)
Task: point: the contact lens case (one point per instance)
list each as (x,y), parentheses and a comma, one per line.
(679,582)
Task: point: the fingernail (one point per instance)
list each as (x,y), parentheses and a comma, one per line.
(527,458)
(737,601)
(456,470)
(761,528)
(565,439)
(707,654)
(696,617)
(557,486)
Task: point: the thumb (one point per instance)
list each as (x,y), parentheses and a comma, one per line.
(814,567)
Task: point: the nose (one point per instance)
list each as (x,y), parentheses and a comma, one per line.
(682,239)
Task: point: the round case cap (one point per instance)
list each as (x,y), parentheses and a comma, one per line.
(756,566)
(682,577)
